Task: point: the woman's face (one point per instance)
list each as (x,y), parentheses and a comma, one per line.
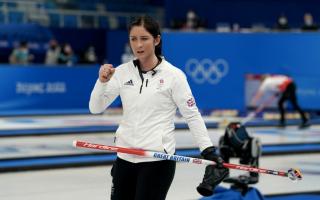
(142,43)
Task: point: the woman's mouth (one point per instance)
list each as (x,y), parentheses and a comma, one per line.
(140,52)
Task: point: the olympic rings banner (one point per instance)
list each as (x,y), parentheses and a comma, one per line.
(216,64)
(46,90)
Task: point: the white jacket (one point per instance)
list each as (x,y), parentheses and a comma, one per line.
(149,108)
(274,83)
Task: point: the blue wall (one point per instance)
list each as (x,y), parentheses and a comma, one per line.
(294,54)
(225,60)
(235,55)
(45,90)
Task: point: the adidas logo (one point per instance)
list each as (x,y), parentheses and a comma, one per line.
(129,83)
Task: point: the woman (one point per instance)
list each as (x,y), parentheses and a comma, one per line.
(151,90)
(284,87)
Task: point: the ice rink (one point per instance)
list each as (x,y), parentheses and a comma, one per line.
(282,149)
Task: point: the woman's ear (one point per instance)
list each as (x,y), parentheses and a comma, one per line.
(157,40)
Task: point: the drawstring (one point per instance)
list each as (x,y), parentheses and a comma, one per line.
(137,64)
(142,79)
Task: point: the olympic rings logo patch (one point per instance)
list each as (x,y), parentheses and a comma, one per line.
(206,70)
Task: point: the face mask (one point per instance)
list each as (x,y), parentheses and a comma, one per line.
(308,21)
(283,21)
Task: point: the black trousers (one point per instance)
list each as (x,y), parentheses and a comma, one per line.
(141,181)
(290,95)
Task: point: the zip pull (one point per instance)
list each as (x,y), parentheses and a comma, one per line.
(147,82)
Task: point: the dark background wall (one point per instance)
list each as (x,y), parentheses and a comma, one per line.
(244,12)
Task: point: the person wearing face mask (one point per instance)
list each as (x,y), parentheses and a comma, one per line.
(282,23)
(151,90)
(67,56)
(308,23)
(52,53)
(20,54)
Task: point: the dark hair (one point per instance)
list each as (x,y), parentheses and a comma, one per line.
(23,43)
(152,26)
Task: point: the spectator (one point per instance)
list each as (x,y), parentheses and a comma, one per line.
(236,27)
(53,52)
(308,23)
(90,56)
(67,56)
(20,54)
(192,20)
(282,23)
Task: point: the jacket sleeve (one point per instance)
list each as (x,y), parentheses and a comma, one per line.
(185,101)
(103,94)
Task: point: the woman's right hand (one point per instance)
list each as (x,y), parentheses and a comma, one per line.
(106,72)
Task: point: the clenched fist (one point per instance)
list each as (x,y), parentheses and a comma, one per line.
(105,73)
